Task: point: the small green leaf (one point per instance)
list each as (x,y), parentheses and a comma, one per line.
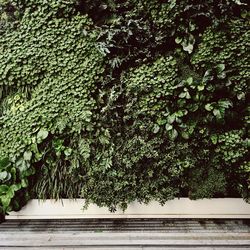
(214,139)
(178,40)
(3,175)
(189,48)
(4,163)
(241,96)
(185,135)
(156,128)
(220,67)
(171,118)
(207,76)
(161,121)
(3,189)
(168,127)
(200,87)
(173,134)
(68,151)
(190,80)
(42,134)
(183,94)
(208,107)
(188,96)
(217,113)
(27,155)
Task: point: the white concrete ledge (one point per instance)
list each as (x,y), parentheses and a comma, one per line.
(177,208)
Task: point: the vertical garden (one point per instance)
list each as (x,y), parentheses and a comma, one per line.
(116,101)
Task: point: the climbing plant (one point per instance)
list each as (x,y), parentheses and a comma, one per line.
(116,101)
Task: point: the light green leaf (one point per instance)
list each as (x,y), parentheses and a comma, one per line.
(217,113)
(156,128)
(168,127)
(3,175)
(171,118)
(190,80)
(214,139)
(173,134)
(189,48)
(42,134)
(208,107)
(185,135)
(200,87)
(183,94)
(241,96)
(220,67)
(27,155)
(178,40)
(68,151)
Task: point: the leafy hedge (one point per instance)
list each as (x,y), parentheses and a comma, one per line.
(116,101)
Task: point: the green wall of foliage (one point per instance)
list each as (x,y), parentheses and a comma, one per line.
(116,101)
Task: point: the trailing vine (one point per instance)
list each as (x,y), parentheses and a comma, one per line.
(116,101)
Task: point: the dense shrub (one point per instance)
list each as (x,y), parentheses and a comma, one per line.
(116,101)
